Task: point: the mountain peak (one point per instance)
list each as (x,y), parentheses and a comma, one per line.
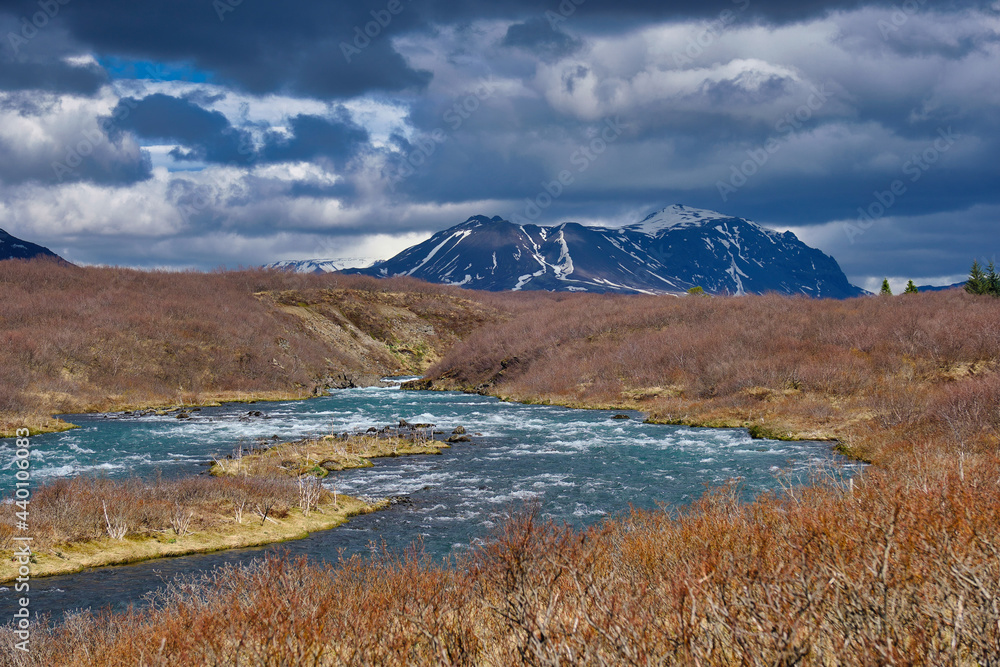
(674,217)
(479,220)
(326,265)
(668,252)
(12,247)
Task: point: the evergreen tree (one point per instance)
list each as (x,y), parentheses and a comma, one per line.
(886,290)
(910,288)
(992,280)
(977,280)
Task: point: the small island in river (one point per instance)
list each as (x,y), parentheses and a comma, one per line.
(251,498)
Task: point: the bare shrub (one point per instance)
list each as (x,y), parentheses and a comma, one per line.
(970,408)
(873,572)
(310,491)
(180,520)
(117,529)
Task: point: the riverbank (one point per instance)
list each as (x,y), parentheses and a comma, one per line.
(879,376)
(251,532)
(776,424)
(41,424)
(848,428)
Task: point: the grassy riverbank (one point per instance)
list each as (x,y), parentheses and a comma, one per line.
(250,531)
(82,522)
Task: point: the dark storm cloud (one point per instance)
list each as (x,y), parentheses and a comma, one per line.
(300,48)
(52,77)
(206,135)
(467,170)
(541,37)
(933,247)
(807,200)
(340,190)
(62,163)
(257,47)
(41,142)
(313,137)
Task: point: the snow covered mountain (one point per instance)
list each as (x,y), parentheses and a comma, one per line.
(668,252)
(321,265)
(12,247)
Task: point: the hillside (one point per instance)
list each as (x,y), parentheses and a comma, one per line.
(93,339)
(870,372)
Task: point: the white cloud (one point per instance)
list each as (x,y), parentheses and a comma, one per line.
(59,138)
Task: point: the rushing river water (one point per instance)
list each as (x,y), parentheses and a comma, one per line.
(579,465)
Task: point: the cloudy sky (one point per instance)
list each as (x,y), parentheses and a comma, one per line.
(206,133)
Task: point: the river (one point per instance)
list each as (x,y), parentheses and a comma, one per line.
(579,465)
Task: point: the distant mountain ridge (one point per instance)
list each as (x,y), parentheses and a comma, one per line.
(322,265)
(668,252)
(939,288)
(12,247)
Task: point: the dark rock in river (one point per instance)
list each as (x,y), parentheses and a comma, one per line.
(417,385)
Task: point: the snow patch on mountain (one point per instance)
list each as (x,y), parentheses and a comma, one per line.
(673,217)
